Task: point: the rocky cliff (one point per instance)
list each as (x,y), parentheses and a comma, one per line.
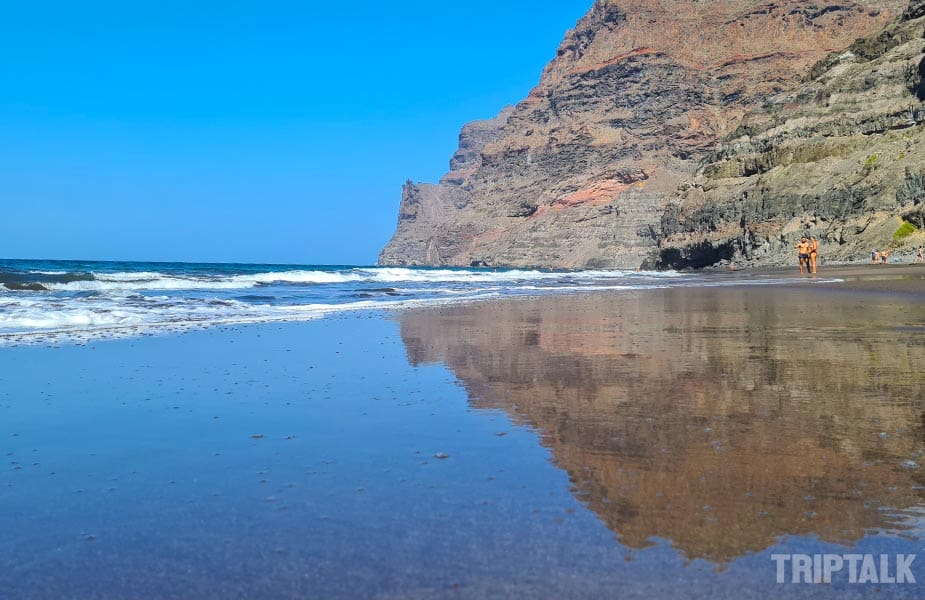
(687,133)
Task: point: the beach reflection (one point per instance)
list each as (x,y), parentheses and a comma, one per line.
(720,420)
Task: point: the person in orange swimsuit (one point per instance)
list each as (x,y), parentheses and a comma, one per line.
(813,252)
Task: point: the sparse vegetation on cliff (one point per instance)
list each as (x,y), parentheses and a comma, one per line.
(904,231)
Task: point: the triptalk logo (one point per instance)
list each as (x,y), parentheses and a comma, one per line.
(855,568)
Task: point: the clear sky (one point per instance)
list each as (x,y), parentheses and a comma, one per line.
(244,131)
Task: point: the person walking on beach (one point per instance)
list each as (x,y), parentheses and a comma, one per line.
(803,253)
(920,257)
(885,256)
(813,252)
(874,257)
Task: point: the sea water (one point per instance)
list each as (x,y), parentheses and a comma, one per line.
(50,300)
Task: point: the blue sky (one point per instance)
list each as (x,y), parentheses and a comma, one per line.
(244,131)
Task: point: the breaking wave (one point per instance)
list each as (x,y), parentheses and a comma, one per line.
(42,301)
(155,281)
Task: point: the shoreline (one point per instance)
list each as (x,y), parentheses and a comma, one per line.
(853,276)
(881,279)
(664,441)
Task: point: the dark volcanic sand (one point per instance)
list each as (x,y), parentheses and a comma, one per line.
(647,444)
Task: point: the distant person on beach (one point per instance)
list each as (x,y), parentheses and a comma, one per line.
(803,253)
(920,257)
(813,252)
(885,256)
(874,257)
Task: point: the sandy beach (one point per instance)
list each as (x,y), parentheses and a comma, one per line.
(658,443)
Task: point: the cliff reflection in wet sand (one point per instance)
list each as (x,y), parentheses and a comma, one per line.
(718,419)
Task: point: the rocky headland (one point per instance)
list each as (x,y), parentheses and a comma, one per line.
(673,134)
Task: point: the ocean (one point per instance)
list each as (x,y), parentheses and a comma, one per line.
(45,301)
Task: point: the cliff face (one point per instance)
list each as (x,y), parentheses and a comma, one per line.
(841,156)
(626,153)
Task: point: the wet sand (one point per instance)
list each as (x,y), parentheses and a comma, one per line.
(641,444)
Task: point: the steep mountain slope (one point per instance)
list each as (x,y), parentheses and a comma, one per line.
(624,155)
(841,157)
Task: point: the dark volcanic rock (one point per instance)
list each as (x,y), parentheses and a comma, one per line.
(916,10)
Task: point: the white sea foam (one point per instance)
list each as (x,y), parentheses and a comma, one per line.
(585,288)
(397,274)
(318,277)
(38,322)
(455,290)
(142,281)
(132,303)
(109,284)
(66,319)
(132,276)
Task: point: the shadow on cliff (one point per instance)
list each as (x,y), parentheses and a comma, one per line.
(696,256)
(919,88)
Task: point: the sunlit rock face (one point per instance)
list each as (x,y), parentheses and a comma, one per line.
(841,156)
(720,423)
(651,136)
